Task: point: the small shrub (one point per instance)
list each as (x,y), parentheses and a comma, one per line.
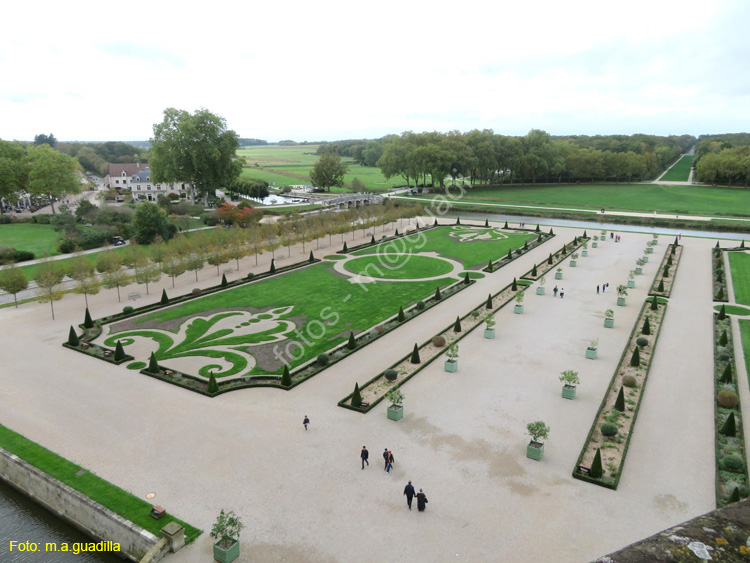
(661,286)
(620,401)
(127,309)
(380,329)
(438,297)
(722,313)
(726,376)
(213,386)
(533,271)
(474,314)
(641,341)
(356,396)
(727,399)
(732,463)
(224,281)
(401,316)
(323,359)
(196,291)
(164,298)
(438,341)
(415,359)
(250,276)
(629,381)
(514,285)
(286,378)
(723,339)
(390,374)
(352,343)
(87,322)
(457,325)
(729,428)
(66,246)
(73,339)
(119,351)
(635,359)
(646,327)
(420,305)
(609,429)
(596,466)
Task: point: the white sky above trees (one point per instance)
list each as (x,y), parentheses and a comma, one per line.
(328,70)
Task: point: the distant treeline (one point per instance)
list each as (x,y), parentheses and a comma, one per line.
(723,158)
(252,142)
(486,157)
(96,157)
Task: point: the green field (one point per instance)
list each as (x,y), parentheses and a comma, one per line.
(696,200)
(745,332)
(31,237)
(399,266)
(105,493)
(680,172)
(739,263)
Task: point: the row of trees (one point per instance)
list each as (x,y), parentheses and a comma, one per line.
(96,157)
(726,166)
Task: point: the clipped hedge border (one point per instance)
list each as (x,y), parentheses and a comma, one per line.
(96,351)
(346,401)
(623,359)
(720,416)
(503,260)
(653,291)
(717,257)
(387,239)
(557,258)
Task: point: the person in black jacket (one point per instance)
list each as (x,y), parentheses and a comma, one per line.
(409,492)
(421,500)
(385,457)
(364,454)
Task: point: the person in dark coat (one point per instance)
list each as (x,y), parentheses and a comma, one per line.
(421,500)
(385,457)
(389,463)
(409,492)
(364,454)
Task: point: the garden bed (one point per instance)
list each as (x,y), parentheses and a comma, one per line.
(731,457)
(495,265)
(614,449)
(662,285)
(554,259)
(719,275)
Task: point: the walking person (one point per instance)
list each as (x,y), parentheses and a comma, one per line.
(385,458)
(409,492)
(597,290)
(389,462)
(562,292)
(421,500)
(364,454)
(305,421)
(554,291)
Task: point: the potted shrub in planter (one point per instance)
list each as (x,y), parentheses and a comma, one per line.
(538,432)
(518,309)
(585,246)
(540,287)
(396,410)
(226,531)
(631,279)
(558,274)
(573,258)
(451,364)
(655,240)
(639,266)
(489,331)
(609,318)
(622,292)
(650,247)
(569,379)
(592,349)
(603,236)
(645,254)
(594,244)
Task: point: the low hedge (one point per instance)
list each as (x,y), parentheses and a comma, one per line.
(660,272)
(370,244)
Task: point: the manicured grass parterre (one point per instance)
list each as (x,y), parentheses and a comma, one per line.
(697,200)
(399,266)
(680,172)
(739,262)
(745,332)
(39,239)
(733,310)
(105,493)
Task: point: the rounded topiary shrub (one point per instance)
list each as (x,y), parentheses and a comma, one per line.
(609,429)
(420,305)
(323,359)
(629,381)
(390,374)
(723,356)
(250,276)
(196,291)
(727,399)
(641,342)
(438,341)
(127,309)
(475,314)
(732,463)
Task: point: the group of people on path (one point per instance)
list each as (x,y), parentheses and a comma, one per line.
(561,291)
(410,494)
(605,287)
(409,491)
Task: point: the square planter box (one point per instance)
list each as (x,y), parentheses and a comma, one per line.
(518,309)
(489,333)
(631,284)
(558,275)
(569,392)
(609,323)
(594,244)
(451,365)
(584,253)
(591,353)
(639,271)
(621,301)
(395,413)
(649,250)
(644,258)
(572,263)
(540,290)
(226,555)
(535,450)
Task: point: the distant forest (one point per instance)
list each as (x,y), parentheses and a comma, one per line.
(723,159)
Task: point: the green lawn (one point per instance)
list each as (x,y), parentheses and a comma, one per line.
(739,263)
(105,493)
(745,332)
(733,310)
(32,237)
(680,172)
(399,266)
(697,200)
(473,252)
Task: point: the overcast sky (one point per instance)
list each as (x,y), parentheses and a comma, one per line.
(327,70)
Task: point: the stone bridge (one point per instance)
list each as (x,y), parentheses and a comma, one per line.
(343,201)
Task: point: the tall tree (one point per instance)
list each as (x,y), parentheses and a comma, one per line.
(13,280)
(51,174)
(194,148)
(49,276)
(328,171)
(81,269)
(13,172)
(150,221)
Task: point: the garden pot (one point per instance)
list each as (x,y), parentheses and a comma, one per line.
(609,323)
(451,365)
(621,301)
(569,392)
(594,244)
(649,250)
(535,450)
(584,253)
(395,412)
(591,352)
(572,263)
(540,290)
(558,275)
(645,258)
(631,284)
(227,555)
(489,333)
(639,271)
(518,309)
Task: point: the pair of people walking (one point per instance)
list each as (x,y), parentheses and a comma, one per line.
(388,458)
(410,494)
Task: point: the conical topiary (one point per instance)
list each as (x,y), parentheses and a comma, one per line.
(164,298)
(119,352)
(533,271)
(550,231)
(596,466)
(646,327)
(372,239)
(525,245)
(312,257)
(726,376)
(153,366)
(620,401)
(401,316)
(438,297)
(458,220)
(73,339)
(720,294)
(486,222)
(514,285)
(722,313)
(719,276)
(585,235)
(489,266)
(729,428)
(661,286)
(489,301)
(676,241)
(669,261)
(635,359)
(415,355)
(224,281)
(549,260)
(735,496)
(273,266)
(345,249)
(717,244)
(435,223)
(666,272)
(352,344)
(457,325)
(396,232)
(654,304)
(467,279)
(510,254)
(539,238)
(356,396)
(537,228)
(723,339)
(286,378)
(506,225)
(87,322)
(213,387)
(742,244)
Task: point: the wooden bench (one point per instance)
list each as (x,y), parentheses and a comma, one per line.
(134,295)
